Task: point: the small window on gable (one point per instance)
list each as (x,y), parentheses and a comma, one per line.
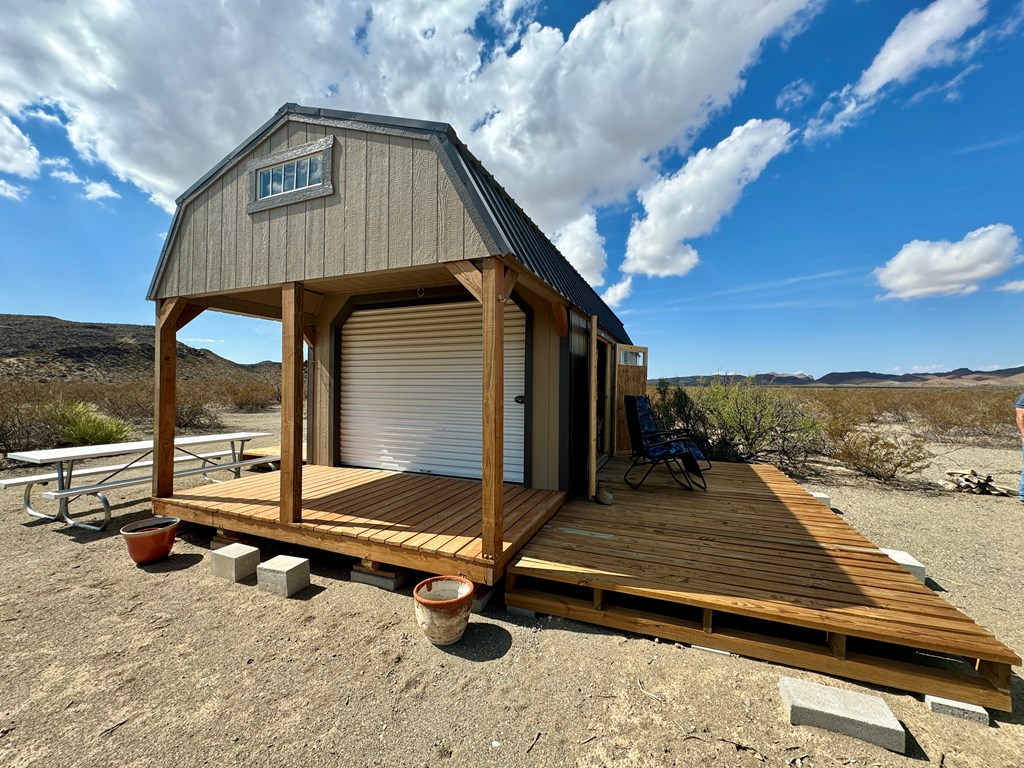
(631,357)
(290,176)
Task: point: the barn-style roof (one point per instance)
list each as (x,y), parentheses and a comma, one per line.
(506,228)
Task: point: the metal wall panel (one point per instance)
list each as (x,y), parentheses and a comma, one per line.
(412,389)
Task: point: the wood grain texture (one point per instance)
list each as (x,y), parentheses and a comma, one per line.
(450,214)
(629,380)
(214,230)
(424,204)
(229,233)
(278,246)
(291,403)
(378,168)
(165,377)
(355,202)
(315,239)
(199,252)
(400,193)
(493,456)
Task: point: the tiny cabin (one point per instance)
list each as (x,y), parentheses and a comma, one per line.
(447,345)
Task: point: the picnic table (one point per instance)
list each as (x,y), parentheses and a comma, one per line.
(65,458)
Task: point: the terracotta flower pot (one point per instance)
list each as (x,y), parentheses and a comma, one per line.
(443,604)
(151,539)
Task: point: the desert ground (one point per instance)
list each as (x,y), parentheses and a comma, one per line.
(103,663)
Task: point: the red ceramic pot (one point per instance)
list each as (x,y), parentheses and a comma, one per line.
(151,539)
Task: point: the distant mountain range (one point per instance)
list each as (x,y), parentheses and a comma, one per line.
(40,348)
(961,377)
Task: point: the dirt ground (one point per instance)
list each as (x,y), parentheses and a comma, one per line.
(103,663)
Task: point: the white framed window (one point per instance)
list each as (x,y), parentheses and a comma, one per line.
(291,176)
(631,357)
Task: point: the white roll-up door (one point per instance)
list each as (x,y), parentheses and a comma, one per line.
(412,384)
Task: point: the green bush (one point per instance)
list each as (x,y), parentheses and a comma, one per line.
(77,423)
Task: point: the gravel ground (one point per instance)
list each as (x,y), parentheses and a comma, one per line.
(103,663)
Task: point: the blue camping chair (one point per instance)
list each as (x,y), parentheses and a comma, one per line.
(652,449)
(649,425)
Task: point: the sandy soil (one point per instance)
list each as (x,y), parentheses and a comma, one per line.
(106,664)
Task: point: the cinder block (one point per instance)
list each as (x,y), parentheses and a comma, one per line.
(283,575)
(850,713)
(234,562)
(960,709)
(524,613)
(481,598)
(907,561)
(824,498)
(389,580)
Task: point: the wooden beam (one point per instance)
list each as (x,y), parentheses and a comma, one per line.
(707,617)
(493,409)
(561,314)
(837,644)
(509,283)
(165,376)
(309,334)
(469,276)
(592,412)
(188,314)
(291,403)
(995,673)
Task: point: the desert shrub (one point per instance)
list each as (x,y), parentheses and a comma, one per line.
(251,395)
(963,414)
(23,425)
(78,423)
(132,401)
(742,420)
(884,457)
(196,406)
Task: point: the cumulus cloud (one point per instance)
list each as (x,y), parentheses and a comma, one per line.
(794,95)
(924,39)
(17,155)
(69,177)
(1015,286)
(941,268)
(556,116)
(97,190)
(691,202)
(618,292)
(12,191)
(581,243)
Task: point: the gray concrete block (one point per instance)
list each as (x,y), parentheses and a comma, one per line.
(907,561)
(824,498)
(850,713)
(234,562)
(960,709)
(524,613)
(389,580)
(481,598)
(283,575)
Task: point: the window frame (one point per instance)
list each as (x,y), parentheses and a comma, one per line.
(323,147)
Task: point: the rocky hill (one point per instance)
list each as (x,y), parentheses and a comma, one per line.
(41,348)
(961,377)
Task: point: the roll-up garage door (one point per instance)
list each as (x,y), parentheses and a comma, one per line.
(411,389)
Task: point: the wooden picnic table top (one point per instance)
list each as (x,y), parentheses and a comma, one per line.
(52,455)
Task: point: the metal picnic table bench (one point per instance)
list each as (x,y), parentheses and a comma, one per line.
(65,459)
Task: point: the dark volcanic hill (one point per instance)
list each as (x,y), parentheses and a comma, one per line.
(961,377)
(41,348)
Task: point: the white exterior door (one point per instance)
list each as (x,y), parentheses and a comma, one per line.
(412,387)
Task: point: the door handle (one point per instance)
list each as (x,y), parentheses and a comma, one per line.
(521,399)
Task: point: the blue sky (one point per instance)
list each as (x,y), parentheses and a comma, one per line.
(817,186)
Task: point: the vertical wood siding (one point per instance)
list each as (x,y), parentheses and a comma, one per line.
(393,206)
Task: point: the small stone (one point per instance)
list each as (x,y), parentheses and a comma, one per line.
(961,709)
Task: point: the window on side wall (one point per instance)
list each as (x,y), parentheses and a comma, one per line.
(291,175)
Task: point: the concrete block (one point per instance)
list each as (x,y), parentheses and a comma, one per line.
(908,562)
(389,580)
(283,575)
(824,498)
(960,709)
(524,613)
(850,713)
(234,562)
(481,598)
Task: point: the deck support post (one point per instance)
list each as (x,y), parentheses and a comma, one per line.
(592,414)
(291,403)
(169,313)
(493,408)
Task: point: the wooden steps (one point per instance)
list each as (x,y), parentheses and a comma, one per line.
(756,566)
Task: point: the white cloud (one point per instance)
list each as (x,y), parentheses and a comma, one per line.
(1014,286)
(580,242)
(794,95)
(67,176)
(55,162)
(692,201)
(549,107)
(42,116)
(924,39)
(941,268)
(619,292)
(17,155)
(928,368)
(12,191)
(950,89)
(97,190)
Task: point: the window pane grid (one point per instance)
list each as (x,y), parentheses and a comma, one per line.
(290,176)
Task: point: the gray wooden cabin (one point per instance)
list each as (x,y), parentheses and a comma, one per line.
(446,334)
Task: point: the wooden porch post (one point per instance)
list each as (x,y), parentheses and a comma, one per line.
(171,314)
(493,407)
(592,413)
(291,403)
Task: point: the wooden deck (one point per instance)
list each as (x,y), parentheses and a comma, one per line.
(425,522)
(756,566)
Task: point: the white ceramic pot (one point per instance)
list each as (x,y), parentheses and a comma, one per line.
(443,604)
